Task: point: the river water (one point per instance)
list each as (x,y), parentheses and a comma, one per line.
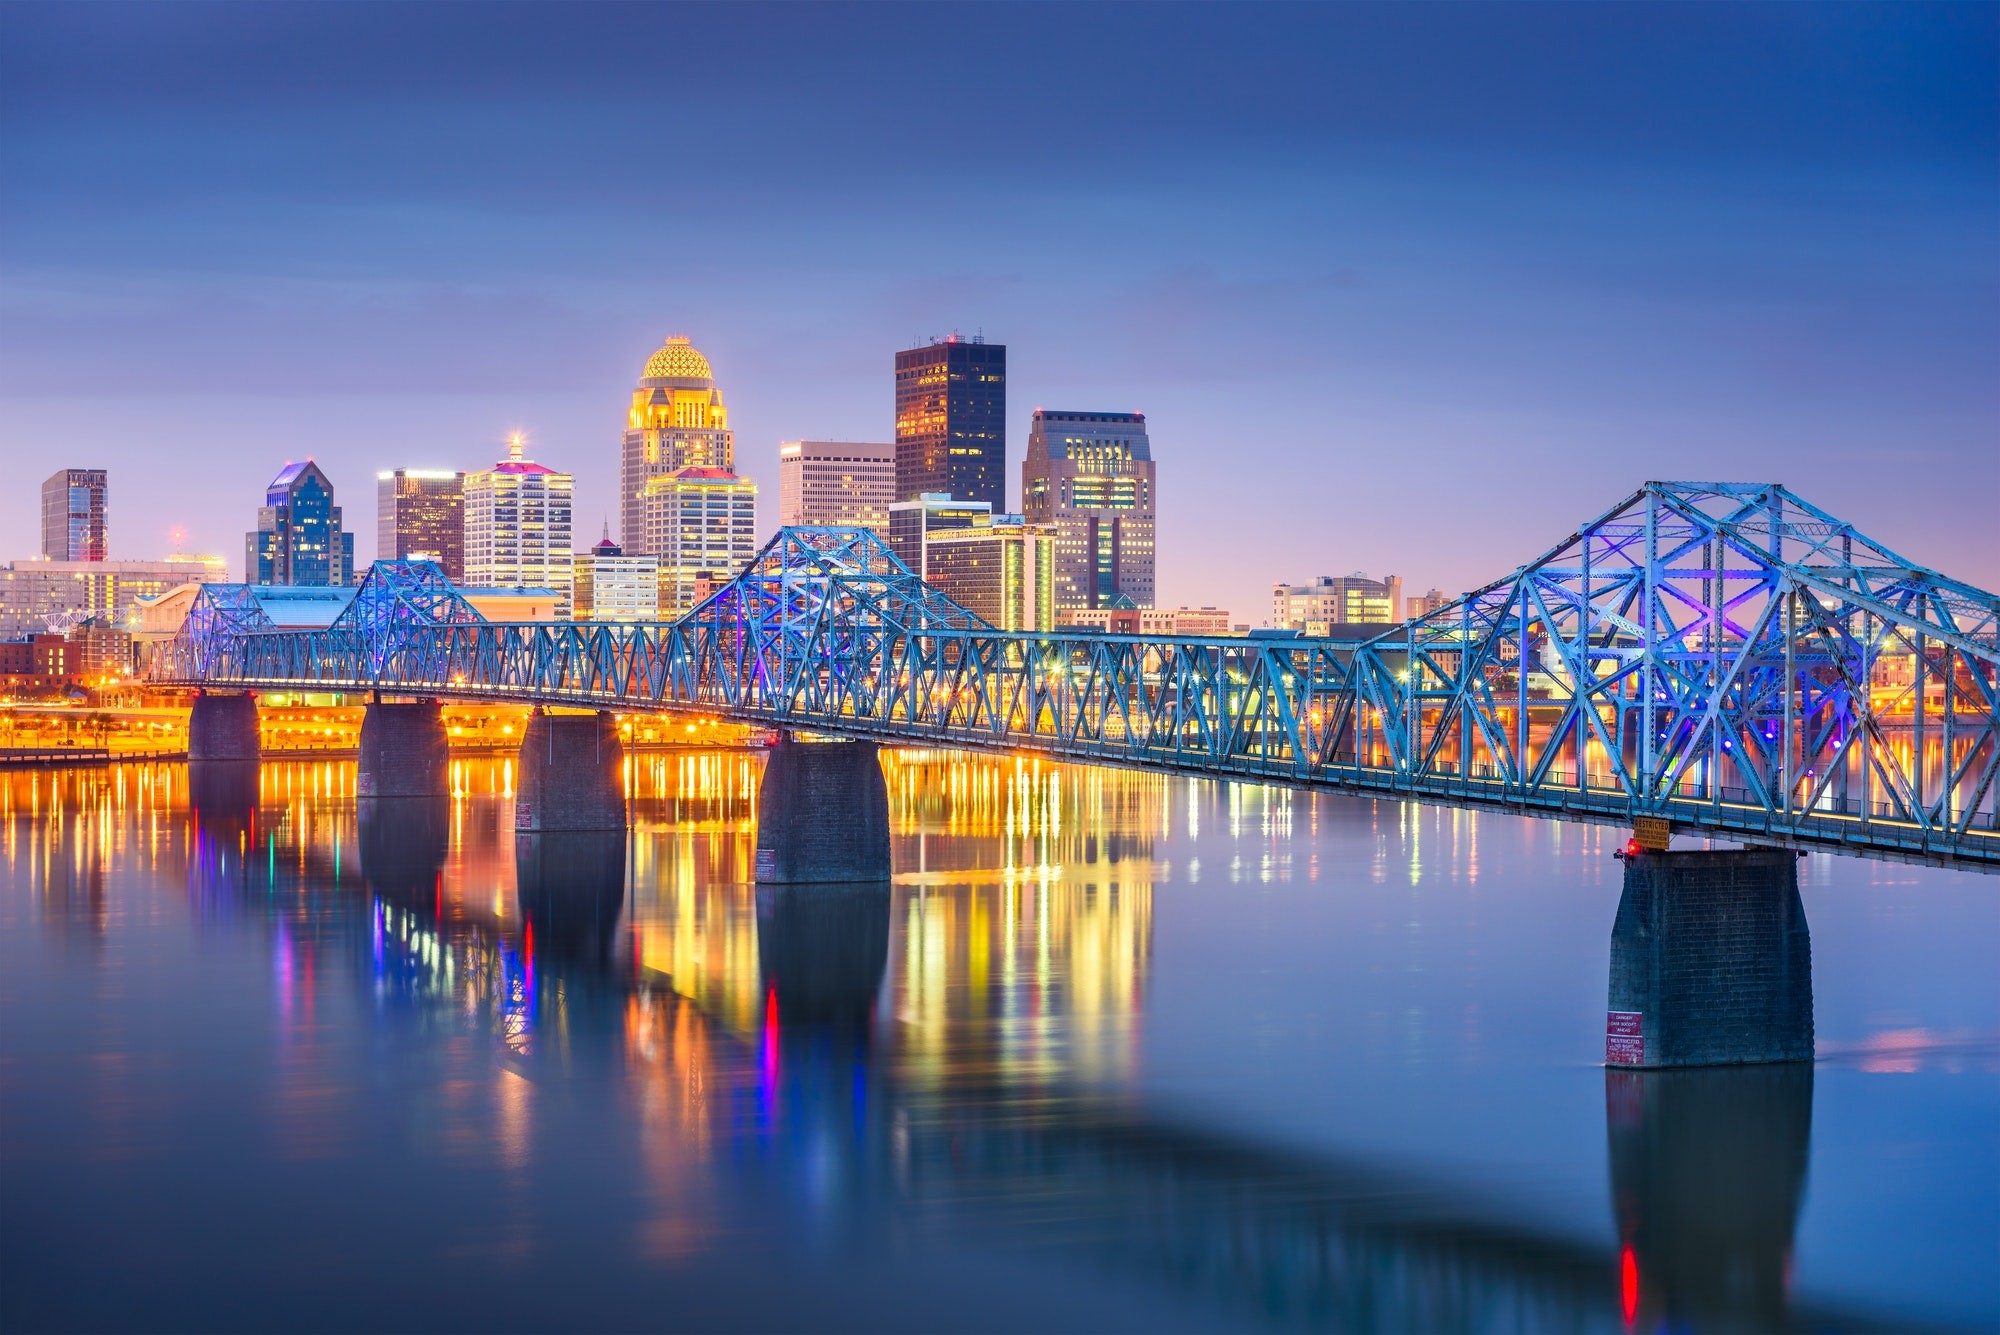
(1114,1051)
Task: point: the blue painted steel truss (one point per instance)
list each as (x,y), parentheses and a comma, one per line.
(1724,656)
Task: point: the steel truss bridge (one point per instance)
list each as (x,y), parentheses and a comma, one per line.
(1726,657)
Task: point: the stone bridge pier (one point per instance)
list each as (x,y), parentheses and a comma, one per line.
(223,727)
(404,752)
(822,814)
(572,775)
(1711,960)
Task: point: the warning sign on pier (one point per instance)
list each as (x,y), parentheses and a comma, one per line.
(1624,1038)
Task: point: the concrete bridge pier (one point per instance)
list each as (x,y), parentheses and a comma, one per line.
(403,751)
(572,776)
(1711,961)
(223,727)
(822,814)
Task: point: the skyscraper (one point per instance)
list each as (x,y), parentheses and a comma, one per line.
(517,527)
(1089,477)
(951,421)
(699,521)
(73,515)
(838,482)
(677,420)
(420,516)
(299,538)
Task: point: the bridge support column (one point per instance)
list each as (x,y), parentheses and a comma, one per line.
(403,751)
(572,775)
(1711,961)
(822,814)
(223,727)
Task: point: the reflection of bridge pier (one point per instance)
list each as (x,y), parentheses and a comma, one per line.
(571,888)
(1707,1172)
(822,951)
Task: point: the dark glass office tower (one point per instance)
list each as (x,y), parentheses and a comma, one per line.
(73,515)
(299,538)
(951,421)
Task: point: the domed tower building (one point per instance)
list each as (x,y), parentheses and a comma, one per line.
(677,421)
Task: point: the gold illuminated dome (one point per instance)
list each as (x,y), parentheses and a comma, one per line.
(677,360)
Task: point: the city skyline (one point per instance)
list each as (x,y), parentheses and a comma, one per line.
(1456,276)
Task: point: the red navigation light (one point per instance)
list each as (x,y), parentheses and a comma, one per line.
(1632,849)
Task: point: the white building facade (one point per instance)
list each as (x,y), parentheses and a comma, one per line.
(699,521)
(842,483)
(518,527)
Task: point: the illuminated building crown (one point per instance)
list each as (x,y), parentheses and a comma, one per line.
(677,359)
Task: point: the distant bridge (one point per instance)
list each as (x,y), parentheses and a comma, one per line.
(1723,657)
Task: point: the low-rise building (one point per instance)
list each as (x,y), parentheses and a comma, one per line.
(38,595)
(1331,599)
(1423,604)
(611,586)
(1184,621)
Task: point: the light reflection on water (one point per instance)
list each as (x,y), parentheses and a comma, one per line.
(1114,1049)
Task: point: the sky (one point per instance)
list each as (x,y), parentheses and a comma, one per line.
(1401,289)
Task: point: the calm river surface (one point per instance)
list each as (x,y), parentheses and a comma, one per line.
(1115,1051)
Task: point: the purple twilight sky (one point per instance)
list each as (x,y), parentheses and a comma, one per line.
(1408,289)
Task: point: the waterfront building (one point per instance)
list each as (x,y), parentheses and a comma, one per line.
(1002,572)
(39,595)
(1330,601)
(677,420)
(698,522)
(1109,620)
(517,526)
(518,604)
(1088,477)
(73,515)
(101,649)
(912,523)
(420,516)
(951,421)
(1184,621)
(1423,604)
(843,483)
(299,537)
(611,586)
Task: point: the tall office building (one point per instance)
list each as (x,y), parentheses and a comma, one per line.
(420,516)
(951,421)
(844,483)
(1089,477)
(913,523)
(677,421)
(1002,572)
(1331,602)
(517,527)
(699,522)
(73,515)
(299,538)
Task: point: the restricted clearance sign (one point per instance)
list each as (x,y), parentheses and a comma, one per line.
(1624,1038)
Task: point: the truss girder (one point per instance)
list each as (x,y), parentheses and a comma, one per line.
(1724,655)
